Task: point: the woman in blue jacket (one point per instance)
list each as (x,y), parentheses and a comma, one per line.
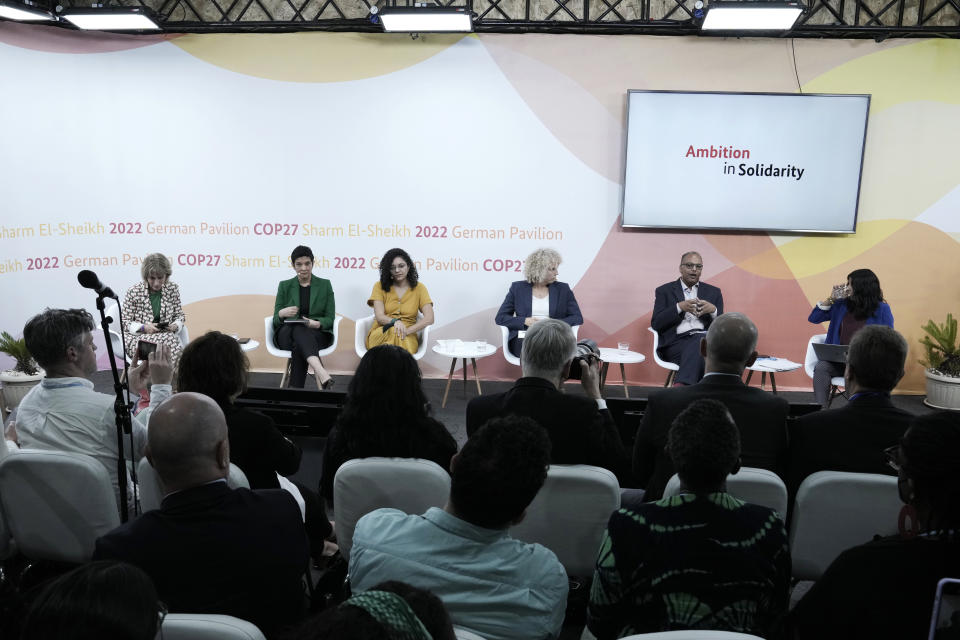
(538,296)
(849,308)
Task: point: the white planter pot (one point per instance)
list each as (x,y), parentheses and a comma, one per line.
(943,392)
(15,387)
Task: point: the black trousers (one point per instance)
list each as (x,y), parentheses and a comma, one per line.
(823,372)
(686,353)
(302,342)
(315,519)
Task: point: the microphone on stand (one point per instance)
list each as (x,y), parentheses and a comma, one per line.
(89,280)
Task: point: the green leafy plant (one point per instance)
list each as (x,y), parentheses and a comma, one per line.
(941,350)
(17,349)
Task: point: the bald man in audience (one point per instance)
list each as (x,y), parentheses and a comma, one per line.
(210,548)
(728,348)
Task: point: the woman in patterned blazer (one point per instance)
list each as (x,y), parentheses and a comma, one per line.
(151,309)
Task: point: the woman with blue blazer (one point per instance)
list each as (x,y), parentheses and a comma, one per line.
(848,308)
(539,296)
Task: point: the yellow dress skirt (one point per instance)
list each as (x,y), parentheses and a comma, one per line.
(403,309)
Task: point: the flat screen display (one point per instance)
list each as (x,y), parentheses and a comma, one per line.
(744,161)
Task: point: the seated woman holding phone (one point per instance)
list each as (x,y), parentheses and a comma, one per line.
(303,316)
(151,312)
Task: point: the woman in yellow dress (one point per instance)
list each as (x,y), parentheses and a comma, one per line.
(396,299)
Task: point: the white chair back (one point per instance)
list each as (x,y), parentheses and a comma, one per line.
(362,485)
(363,328)
(117,329)
(56,504)
(692,634)
(207,626)
(669,366)
(274,350)
(152,492)
(756,486)
(570,513)
(835,511)
(505,338)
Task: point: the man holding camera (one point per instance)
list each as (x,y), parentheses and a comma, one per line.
(581,429)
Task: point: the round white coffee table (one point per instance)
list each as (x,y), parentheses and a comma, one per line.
(458,349)
(781,366)
(249,345)
(621,357)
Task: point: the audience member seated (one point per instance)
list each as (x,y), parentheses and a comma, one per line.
(390,610)
(386,414)
(581,429)
(853,438)
(151,310)
(396,299)
(698,560)
(209,548)
(682,311)
(849,308)
(885,588)
(216,366)
(63,412)
(540,295)
(729,347)
(493,585)
(96,601)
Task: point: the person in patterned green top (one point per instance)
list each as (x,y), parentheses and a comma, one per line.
(698,560)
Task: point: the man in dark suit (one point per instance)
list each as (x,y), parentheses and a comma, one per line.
(682,311)
(581,429)
(853,437)
(729,347)
(209,548)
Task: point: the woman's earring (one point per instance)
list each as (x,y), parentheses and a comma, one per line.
(907,523)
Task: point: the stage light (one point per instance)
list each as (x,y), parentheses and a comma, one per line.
(24,11)
(430,19)
(751,15)
(112,19)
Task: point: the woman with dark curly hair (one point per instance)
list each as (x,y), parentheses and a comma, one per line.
(385,414)
(848,308)
(396,299)
(885,588)
(216,366)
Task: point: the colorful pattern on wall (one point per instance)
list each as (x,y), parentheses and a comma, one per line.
(530,126)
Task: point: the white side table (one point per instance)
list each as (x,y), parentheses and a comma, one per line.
(776,365)
(458,349)
(608,355)
(250,346)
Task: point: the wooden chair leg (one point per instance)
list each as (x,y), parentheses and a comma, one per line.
(285,379)
(670,377)
(833,393)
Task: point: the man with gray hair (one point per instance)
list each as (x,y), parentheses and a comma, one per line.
(581,430)
(63,412)
(210,548)
(728,348)
(852,438)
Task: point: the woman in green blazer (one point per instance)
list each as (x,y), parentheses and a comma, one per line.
(303,319)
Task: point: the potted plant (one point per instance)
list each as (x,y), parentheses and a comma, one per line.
(942,360)
(25,374)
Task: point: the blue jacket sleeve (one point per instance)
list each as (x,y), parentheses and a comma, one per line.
(573,316)
(818,315)
(886,316)
(506,315)
(664,312)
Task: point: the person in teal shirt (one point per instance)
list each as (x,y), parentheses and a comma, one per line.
(303,316)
